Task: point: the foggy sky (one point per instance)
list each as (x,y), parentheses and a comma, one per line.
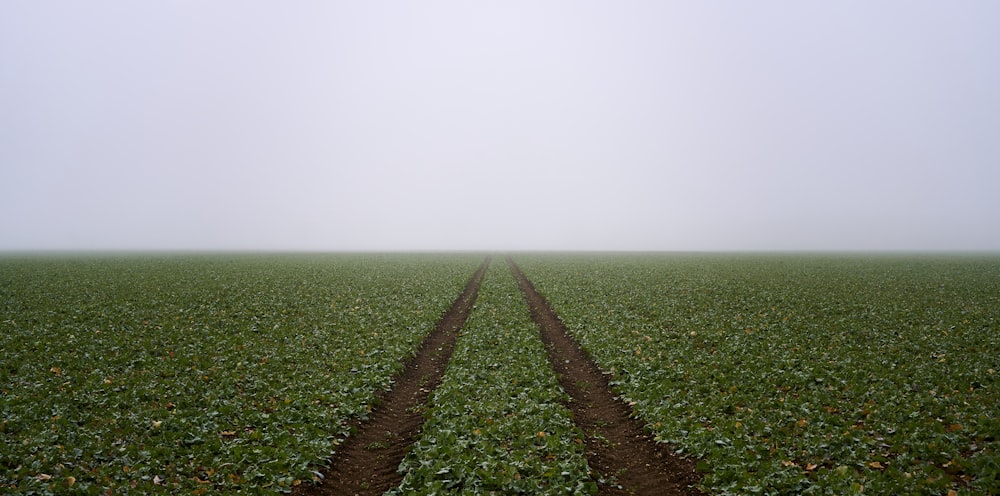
(452,125)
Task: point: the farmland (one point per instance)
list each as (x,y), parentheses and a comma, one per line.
(776,374)
(800,374)
(191,373)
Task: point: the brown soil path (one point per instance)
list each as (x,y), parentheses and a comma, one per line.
(617,447)
(366,464)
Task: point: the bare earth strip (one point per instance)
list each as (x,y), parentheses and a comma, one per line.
(617,447)
(366,464)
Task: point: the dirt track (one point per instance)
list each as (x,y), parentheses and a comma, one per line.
(366,464)
(618,450)
(617,447)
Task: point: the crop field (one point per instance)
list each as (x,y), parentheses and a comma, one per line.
(189,374)
(800,374)
(773,374)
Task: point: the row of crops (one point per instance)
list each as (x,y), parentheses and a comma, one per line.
(796,374)
(497,424)
(195,373)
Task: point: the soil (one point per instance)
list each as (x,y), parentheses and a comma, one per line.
(625,458)
(367,461)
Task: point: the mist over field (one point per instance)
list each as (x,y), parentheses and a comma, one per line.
(447,125)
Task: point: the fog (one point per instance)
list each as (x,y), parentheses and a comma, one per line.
(448,125)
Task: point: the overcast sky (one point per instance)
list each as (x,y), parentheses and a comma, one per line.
(452,125)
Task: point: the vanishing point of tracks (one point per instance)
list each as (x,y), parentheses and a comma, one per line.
(617,447)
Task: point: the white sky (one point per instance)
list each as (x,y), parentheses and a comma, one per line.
(450,125)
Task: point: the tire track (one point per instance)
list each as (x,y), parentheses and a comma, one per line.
(366,463)
(626,460)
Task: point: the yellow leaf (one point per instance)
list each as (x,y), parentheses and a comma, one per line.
(70,481)
(876,465)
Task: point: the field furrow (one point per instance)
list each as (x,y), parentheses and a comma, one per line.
(367,462)
(625,459)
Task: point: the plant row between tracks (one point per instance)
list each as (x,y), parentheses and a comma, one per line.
(497,423)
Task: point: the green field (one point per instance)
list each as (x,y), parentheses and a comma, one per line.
(791,374)
(782,374)
(192,373)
